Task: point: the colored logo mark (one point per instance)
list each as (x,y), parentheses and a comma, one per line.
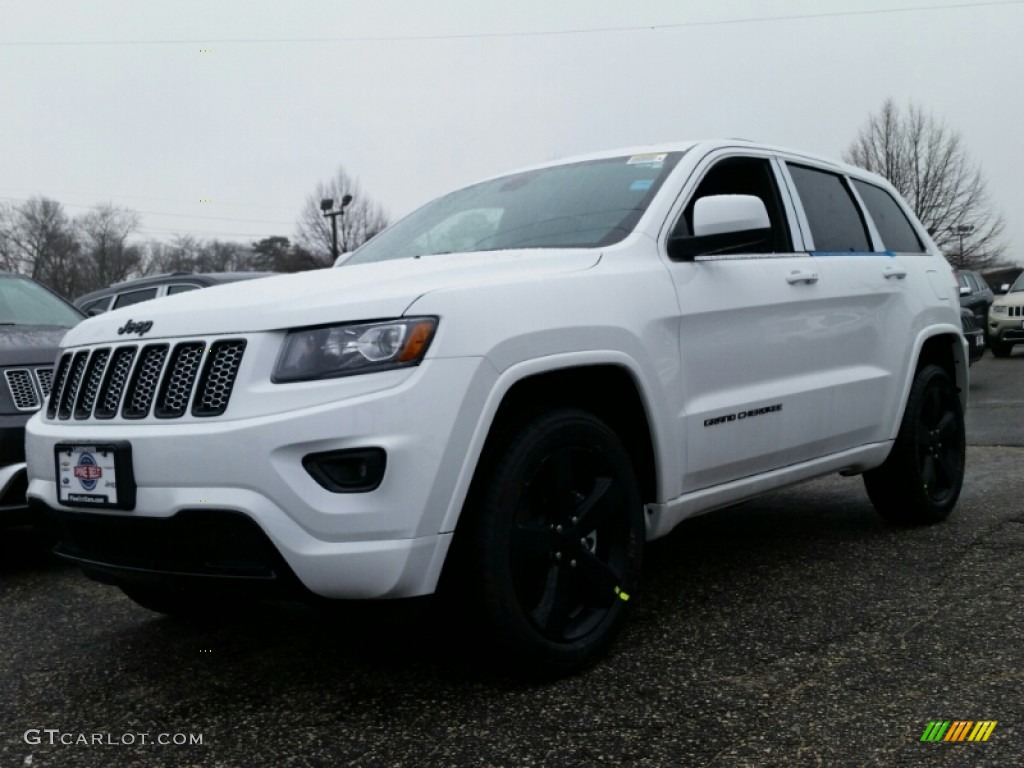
(958,730)
(87,472)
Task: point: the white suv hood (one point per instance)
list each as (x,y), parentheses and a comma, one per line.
(348,293)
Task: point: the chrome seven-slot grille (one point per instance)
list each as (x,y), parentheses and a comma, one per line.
(138,379)
(29,387)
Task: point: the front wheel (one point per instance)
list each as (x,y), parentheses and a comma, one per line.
(179,603)
(1001,349)
(558,537)
(920,481)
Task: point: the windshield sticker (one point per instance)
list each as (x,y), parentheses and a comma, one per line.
(641,184)
(654,160)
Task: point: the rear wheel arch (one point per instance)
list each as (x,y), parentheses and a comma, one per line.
(946,350)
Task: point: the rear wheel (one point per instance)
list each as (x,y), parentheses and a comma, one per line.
(920,481)
(558,539)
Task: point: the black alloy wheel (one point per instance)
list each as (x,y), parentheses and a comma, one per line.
(920,481)
(559,541)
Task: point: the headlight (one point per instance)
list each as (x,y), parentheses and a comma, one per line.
(344,350)
(998,309)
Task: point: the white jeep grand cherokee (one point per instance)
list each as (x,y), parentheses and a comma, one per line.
(519,384)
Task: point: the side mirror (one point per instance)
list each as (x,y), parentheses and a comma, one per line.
(965,291)
(723,224)
(1004,288)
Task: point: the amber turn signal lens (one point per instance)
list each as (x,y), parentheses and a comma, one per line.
(418,339)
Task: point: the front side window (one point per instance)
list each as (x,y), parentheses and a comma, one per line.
(589,204)
(743,176)
(835,221)
(895,229)
(134,297)
(23,302)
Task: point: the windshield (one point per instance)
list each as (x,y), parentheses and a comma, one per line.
(578,205)
(23,302)
(1018,284)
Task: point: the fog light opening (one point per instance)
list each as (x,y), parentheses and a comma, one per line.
(353,470)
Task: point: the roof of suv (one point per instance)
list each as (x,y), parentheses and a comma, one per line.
(202,278)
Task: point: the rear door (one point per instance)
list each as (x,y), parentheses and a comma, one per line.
(863,262)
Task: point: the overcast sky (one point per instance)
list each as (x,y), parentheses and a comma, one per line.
(107,101)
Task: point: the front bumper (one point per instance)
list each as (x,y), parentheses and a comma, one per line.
(13,509)
(1006,329)
(382,543)
(975,344)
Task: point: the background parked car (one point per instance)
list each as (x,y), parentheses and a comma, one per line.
(1006,320)
(146,288)
(975,295)
(974,333)
(33,320)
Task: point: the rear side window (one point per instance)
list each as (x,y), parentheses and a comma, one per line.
(891,222)
(173,289)
(134,297)
(96,306)
(835,220)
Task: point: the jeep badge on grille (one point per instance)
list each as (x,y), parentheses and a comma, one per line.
(132,327)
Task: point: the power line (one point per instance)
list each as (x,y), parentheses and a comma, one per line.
(204,232)
(526,33)
(162,213)
(178,200)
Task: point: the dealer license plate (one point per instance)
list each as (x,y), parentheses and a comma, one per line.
(95,475)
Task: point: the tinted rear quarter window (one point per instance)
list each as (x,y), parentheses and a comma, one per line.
(134,297)
(835,220)
(173,289)
(891,222)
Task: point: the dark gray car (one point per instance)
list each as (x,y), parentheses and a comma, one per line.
(33,320)
(975,295)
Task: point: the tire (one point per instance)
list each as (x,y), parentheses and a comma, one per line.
(1001,349)
(176,602)
(557,542)
(920,481)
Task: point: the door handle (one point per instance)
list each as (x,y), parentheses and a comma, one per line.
(898,272)
(802,276)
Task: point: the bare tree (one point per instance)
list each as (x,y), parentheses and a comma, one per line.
(182,254)
(223,256)
(277,254)
(8,251)
(362,220)
(928,164)
(107,257)
(40,242)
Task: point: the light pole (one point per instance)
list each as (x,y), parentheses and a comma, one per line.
(325,206)
(960,230)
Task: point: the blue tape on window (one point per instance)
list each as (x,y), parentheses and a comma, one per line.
(641,184)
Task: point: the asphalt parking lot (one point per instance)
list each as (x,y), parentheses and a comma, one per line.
(798,629)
